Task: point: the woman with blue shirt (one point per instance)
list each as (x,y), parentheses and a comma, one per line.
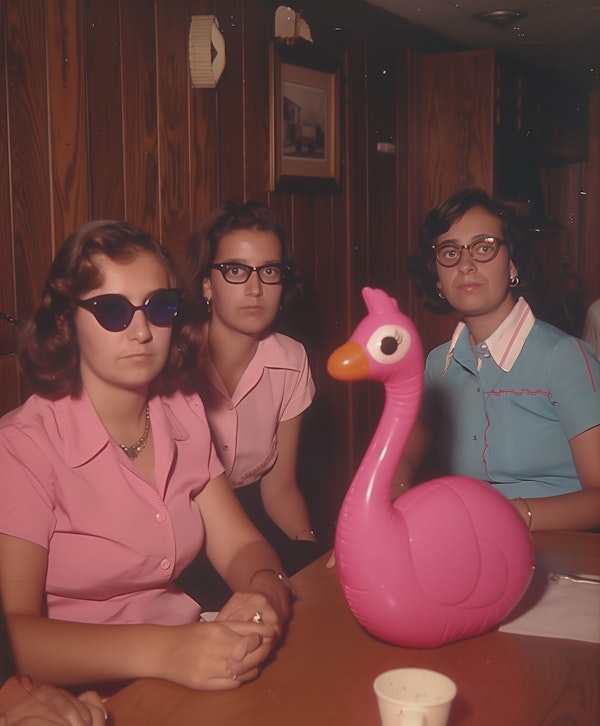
(515,400)
(24,703)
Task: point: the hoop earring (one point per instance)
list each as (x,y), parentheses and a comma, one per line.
(441,295)
(208,305)
(514,281)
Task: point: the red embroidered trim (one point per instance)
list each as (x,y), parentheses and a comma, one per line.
(587,363)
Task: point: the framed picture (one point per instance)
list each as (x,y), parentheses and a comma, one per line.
(304,122)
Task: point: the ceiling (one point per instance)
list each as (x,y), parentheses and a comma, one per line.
(560,36)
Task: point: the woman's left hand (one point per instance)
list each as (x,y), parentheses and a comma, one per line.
(246,610)
(253,607)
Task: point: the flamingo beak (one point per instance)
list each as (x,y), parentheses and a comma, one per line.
(349,362)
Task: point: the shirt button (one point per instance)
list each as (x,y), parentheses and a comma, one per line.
(474,438)
(225,448)
(160,517)
(487,355)
(165,564)
(483,346)
(230,406)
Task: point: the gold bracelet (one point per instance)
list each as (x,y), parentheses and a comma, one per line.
(279,574)
(306,531)
(529,512)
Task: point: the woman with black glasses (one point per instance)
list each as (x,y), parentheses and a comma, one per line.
(511,400)
(111,485)
(255,384)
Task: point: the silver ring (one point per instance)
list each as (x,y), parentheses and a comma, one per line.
(257,617)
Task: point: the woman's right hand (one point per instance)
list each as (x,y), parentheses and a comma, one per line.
(213,656)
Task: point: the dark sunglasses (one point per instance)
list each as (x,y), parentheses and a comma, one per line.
(115,312)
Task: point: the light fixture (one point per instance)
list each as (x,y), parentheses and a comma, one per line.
(206,51)
(500,18)
(289,25)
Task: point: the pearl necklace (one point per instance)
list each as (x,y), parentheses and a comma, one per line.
(134,450)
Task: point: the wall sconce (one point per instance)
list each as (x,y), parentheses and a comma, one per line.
(206,51)
(289,25)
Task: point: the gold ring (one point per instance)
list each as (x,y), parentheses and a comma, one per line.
(257,617)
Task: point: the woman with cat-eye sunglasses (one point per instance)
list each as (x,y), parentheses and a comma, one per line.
(111,485)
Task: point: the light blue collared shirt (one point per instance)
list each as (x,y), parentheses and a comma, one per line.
(508,410)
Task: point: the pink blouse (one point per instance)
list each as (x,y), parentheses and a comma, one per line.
(115,543)
(276,386)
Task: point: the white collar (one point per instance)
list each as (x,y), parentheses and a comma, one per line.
(507,341)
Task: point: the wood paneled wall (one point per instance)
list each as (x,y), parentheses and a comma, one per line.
(589,243)
(98,119)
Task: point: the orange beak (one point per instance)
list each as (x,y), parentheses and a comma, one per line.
(349,362)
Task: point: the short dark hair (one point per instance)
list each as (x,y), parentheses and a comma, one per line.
(422,267)
(48,346)
(224,219)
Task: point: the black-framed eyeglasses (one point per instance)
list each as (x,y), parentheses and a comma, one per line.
(482,249)
(115,312)
(237,273)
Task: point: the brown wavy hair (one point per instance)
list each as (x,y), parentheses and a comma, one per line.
(224,219)
(48,346)
(422,267)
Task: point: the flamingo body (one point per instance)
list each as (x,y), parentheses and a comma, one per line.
(445,561)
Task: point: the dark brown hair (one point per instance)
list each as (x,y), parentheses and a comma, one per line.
(224,219)
(48,347)
(422,267)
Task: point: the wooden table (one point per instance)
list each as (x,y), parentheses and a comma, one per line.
(323,673)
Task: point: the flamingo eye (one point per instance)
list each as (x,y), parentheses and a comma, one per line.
(388,344)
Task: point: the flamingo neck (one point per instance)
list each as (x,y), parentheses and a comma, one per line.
(374,477)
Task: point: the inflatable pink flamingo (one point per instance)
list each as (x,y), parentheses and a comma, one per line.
(448,559)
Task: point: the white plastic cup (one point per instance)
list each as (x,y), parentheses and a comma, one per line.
(414,697)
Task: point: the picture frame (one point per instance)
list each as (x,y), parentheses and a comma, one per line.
(304,124)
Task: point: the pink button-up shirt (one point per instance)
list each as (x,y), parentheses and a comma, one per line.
(115,543)
(276,386)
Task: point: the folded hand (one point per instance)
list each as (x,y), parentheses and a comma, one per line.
(23,703)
